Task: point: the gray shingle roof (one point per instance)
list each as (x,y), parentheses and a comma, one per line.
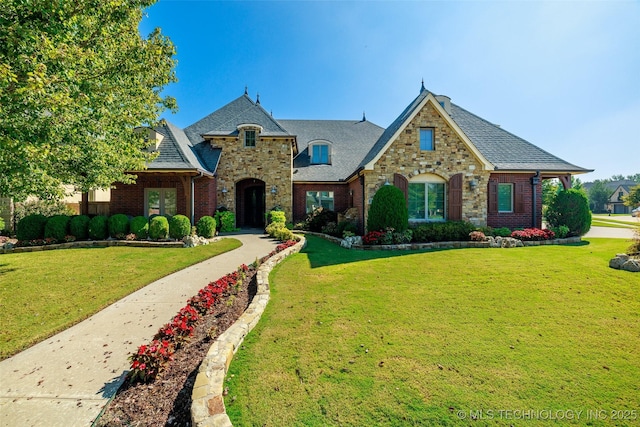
(177,153)
(350,141)
(225,121)
(502,149)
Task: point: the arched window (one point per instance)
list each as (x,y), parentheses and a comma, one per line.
(427,198)
(320,153)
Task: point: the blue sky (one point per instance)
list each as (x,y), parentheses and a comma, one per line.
(564,75)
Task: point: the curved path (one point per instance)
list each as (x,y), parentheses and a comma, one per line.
(67,379)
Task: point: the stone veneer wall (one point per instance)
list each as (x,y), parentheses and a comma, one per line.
(271,161)
(450,156)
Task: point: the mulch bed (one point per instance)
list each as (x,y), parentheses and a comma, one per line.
(167,400)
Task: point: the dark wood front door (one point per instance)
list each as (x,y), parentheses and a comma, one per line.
(254,205)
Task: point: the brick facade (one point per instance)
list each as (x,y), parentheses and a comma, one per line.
(523,218)
(342,199)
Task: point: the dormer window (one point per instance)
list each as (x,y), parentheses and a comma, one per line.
(248,133)
(320,153)
(249,138)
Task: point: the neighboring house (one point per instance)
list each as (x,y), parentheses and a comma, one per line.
(615,204)
(450,164)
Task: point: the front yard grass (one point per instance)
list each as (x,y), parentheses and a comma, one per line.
(42,293)
(355,338)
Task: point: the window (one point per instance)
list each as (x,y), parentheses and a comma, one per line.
(320,154)
(160,201)
(426,139)
(426,201)
(505,197)
(249,138)
(316,199)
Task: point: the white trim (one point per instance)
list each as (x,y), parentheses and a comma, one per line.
(250,126)
(320,142)
(430,98)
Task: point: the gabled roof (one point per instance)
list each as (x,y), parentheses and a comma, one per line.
(225,121)
(498,149)
(177,153)
(350,141)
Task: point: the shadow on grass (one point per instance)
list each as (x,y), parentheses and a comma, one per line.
(4,269)
(322,253)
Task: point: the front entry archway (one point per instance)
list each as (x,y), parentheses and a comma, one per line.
(250,203)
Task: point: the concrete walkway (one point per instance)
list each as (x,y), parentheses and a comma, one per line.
(67,379)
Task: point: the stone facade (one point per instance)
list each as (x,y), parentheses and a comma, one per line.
(269,161)
(450,156)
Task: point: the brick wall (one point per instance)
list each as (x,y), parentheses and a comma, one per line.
(514,219)
(342,200)
(128,199)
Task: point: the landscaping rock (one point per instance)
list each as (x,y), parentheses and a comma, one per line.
(504,242)
(193,241)
(618,261)
(348,242)
(632,265)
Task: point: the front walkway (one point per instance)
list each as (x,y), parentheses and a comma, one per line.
(67,379)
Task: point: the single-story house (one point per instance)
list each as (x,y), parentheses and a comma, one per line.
(450,164)
(615,203)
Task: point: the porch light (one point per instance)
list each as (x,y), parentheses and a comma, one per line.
(224,190)
(274,190)
(473,184)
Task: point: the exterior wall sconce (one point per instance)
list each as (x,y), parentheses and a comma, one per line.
(473,184)
(274,190)
(224,190)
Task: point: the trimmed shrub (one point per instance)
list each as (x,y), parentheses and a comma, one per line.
(179,227)
(158,228)
(1,224)
(561,231)
(388,210)
(79,226)
(57,227)
(570,208)
(276,216)
(46,208)
(225,221)
(206,227)
(118,225)
(442,231)
(347,226)
(31,227)
(98,227)
(319,218)
(501,232)
(140,227)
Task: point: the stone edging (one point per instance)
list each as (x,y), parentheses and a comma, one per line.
(444,245)
(207,407)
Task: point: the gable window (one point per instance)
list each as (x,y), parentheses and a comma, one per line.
(319,199)
(426,139)
(320,154)
(505,197)
(249,138)
(426,201)
(160,201)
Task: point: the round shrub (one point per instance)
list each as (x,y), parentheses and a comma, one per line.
(388,209)
(158,228)
(225,221)
(118,225)
(570,208)
(276,216)
(139,226)
(206,227)
(79,227)
(179,227)
(1,224)
(57,227)
(31,227)
(98,227)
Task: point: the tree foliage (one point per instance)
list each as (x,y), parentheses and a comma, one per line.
(633,198)
(76,78)
(598,196)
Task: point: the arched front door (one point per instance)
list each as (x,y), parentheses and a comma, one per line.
(250,203)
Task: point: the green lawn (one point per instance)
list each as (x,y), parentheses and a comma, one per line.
(42,293)
(359,338)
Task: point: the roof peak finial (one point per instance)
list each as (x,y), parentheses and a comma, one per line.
(364,117)
(258,98)
(422,89)
(246,90)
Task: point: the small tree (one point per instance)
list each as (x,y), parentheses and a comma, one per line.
(388,209)
(633,198)
(598,196)
(570,208)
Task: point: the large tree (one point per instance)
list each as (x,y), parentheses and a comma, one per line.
(598,195)
(76,78)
